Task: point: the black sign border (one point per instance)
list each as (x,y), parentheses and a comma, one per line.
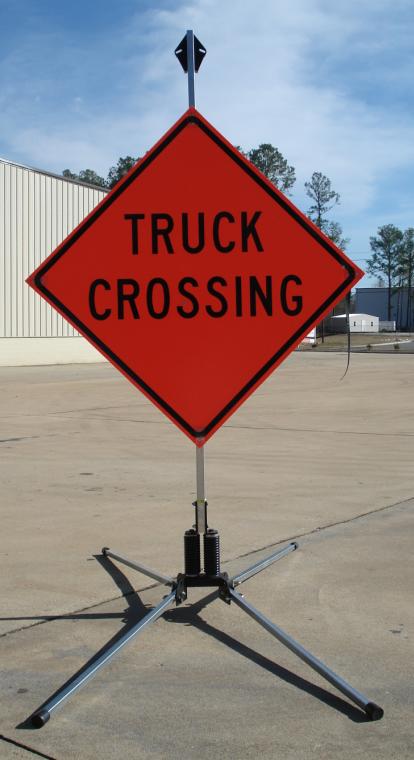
(136,379)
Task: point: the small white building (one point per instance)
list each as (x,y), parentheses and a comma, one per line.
(310,337)
(37,211)
(358,323)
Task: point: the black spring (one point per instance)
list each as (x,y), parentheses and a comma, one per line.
(192,552)
(212,552)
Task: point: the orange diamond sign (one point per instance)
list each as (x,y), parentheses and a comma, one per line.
(195,277)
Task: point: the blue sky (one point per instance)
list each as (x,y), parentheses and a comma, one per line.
(330,84)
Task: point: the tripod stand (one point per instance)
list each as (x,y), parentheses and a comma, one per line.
(226,590)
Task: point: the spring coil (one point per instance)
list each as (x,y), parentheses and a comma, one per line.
(212,552)
(192,552)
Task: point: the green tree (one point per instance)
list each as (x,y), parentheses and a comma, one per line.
(386,257)
(324,198)
(69,175)
(85,175)
(407,270)
(319,189)
(117,172)
(91,178)
(273,165)
(334,231)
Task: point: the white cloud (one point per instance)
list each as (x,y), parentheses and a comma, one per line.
(259,83)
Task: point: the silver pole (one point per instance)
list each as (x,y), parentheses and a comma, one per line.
(200,473)
(160,577)
(42,716)
(190,68)
(200,504)
(262,564)
(374,711)
(201,511)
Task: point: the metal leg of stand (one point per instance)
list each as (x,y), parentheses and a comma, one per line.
(42,715)
(262,564)
(141,568)
(371,709)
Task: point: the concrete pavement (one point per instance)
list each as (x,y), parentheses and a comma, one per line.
(87,461)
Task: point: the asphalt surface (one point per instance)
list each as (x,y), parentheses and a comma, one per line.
(86,461)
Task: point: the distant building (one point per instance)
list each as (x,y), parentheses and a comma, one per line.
(310,337)
(358,323)
(375,301)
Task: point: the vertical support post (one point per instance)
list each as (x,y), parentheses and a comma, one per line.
(200,503)
(190,52)
(191,68)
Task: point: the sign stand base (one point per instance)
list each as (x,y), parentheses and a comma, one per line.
(226,590)
(190,53)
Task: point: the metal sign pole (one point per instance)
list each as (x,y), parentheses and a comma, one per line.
(190,68)
(201,521)
(186,55)
(200,503)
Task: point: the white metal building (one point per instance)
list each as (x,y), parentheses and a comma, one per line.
(37,211)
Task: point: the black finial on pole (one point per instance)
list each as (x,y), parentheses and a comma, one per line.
(190,53)
(199,52)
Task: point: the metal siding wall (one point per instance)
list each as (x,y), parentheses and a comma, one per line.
(37,212)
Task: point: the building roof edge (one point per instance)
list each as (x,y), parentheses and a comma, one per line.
(54,175)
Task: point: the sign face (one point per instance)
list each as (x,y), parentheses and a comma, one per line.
(195,277)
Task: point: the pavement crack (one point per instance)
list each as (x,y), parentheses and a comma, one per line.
(77,414)
(28,749)
(69,615)
(321,528)
(22,438)
(317,430)
(90,409)
(117,419)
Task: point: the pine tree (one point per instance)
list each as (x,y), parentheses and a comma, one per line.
(319,189)
(117,172)
(273,165)
(386,257)
(407,270)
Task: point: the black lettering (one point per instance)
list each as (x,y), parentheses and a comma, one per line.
(134,230)
(297,300)
(92,307)
(165,295)
(124,296)
(216,225)
(201,234)
(216,293)
(249,229)
(191,297)
(160,230)
(265,298)
(239,303)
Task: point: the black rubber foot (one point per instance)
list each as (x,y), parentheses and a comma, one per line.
(105,550)
(39,719)
(375,712)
